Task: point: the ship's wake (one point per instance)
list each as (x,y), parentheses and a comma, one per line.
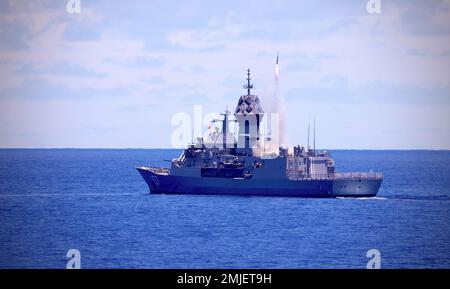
(362,198)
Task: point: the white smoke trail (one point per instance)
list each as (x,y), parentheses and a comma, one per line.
(275,124)
(280,108)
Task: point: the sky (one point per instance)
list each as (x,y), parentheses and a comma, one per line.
(115,74)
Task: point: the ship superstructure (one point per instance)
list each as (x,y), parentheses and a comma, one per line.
(235,164)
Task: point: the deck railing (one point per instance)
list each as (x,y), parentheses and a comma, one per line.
(292,175)
(160,171)
(295,175)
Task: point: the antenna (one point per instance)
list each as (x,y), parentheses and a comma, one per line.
(248,86)
(314,135)
(308,137)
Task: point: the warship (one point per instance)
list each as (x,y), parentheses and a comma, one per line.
(235,164)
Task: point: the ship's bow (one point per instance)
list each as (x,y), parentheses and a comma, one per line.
(157,179)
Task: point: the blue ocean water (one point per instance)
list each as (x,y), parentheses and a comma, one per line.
(95,201)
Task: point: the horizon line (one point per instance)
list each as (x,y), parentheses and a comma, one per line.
(159,148)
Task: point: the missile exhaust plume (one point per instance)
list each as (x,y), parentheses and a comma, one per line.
(279,106)
(276,121)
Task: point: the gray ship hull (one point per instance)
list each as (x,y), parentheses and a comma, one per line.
(224,163)
(318,188)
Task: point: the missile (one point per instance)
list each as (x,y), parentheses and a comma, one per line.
(277,72)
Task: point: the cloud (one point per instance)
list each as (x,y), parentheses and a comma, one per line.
(139,53)
(197,69)
(14,35)
(59,68)
(142,61)
(339,90)
(425,17)
(39,89)
(303,65)
(429,53)
(80,32)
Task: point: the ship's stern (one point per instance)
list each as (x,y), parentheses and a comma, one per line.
(357,185)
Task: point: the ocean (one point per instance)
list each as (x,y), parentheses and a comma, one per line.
(96,202)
